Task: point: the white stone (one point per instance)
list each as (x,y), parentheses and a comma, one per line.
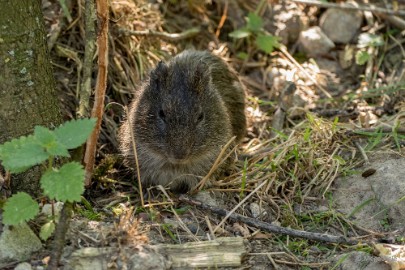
(314,42)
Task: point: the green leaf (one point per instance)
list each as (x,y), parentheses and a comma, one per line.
(240,33)
(19,208)
(47,230)
(242,55)
(267,43)
(20,154)
(254,22)
(74,133)
(362,57)
(48,140)
(65,184)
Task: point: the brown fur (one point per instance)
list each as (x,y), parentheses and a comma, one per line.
(185,112)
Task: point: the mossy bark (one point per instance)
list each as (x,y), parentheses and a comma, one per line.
(27,87)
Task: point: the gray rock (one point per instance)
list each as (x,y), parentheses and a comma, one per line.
(314,42)
(47,208)
(18,243)
(360,260)
(340,25)
(289,22)
(378,194)
(23,266)
(256,210)
(207,198)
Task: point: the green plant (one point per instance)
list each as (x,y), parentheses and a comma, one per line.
(243,184)
(65,183)
(377,136)
(253,30)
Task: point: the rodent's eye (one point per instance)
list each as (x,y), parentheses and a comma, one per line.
(200,117)
(162,115)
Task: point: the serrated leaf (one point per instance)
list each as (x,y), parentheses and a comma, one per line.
(65,184)
(240,33)
(44,135)
(47,139)
(267,43)
(362,57)
(254,22)
(19,208)
(20,154)
(47,230)
(74,133)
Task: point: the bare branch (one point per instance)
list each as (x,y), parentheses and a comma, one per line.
(98,107)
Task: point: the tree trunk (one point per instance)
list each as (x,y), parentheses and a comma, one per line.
(27,87)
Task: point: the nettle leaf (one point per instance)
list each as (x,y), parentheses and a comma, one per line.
(240,33)
(267,43)
(254,22)
(20,154)
(74,133)
(362,57)
(65,184)
(19,208)
(48,140)
(47,230)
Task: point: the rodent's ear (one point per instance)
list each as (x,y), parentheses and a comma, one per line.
(161,68)
(158,75)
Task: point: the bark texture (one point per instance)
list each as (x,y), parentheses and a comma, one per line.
(27,87)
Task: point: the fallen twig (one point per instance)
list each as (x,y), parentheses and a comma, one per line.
(162,35)
(364,131)
(298,65)
(371,8)
(217,162)
(269,227)
(394,20)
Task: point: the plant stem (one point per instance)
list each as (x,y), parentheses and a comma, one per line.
(50,162)
(260,6)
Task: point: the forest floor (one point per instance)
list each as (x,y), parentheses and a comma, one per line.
(325,143)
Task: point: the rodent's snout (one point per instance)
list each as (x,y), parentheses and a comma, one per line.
(179,155)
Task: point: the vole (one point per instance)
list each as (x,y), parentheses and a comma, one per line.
(186,110)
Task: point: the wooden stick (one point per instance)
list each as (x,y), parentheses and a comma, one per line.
(162,35)
(371,8)
(101,84)
(214,254)
(323,237)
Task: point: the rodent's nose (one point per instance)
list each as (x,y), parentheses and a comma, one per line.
(179,155)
